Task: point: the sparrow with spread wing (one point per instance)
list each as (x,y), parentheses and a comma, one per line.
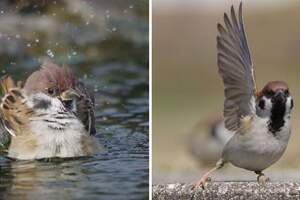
(260,120)
(51,116)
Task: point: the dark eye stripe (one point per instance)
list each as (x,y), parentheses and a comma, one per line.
(269,93)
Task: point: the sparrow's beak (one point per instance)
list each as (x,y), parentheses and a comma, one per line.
(69,95)
(279,96)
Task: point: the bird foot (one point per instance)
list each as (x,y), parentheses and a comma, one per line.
(202,182)
(262,179)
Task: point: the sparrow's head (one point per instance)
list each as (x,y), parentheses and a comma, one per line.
(54,81)
(274,99)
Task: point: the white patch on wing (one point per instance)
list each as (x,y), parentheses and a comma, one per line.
(252,104)
(288,105)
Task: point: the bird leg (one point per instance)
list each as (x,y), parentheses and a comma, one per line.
(205,177)
(262,178)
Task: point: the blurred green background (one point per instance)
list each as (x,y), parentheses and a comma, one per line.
(186,85)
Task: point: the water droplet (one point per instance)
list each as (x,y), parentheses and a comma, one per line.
(37,40)
(50,53)
(28,45)
(3,71)
(114,29)
(18,36)
(1,11)
(74,53)
(87,23)
(96,88)
(131,6)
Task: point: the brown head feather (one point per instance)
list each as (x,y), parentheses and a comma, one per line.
(273,86)
(50,76)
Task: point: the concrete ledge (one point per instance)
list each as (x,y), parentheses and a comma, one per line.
(228,190)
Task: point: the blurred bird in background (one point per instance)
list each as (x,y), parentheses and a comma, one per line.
(51,116)
(207,140)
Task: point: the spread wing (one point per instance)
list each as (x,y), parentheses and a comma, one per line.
(15,114)
(236,69)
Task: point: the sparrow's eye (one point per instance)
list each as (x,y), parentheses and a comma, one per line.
(51,91)
(287,92)
(269,93)
(261,104)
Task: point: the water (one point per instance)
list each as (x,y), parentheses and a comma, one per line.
(113,64)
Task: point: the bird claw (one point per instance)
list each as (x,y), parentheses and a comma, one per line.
(202,182)
(262,179)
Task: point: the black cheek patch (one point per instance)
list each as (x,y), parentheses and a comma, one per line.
(41,104)
(261,104)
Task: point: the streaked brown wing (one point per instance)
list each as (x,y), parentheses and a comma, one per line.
(236,69)
(15,114)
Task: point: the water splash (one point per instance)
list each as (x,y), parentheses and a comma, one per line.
(50,53)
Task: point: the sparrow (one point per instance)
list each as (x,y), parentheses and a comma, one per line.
(260,120)
(60,82)
(51,116)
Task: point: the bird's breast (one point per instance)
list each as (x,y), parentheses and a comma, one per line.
(257,149)
(52,135)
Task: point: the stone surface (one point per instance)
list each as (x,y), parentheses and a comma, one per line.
(228,190)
